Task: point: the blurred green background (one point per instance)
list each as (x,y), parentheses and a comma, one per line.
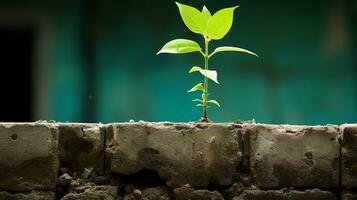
(95,61)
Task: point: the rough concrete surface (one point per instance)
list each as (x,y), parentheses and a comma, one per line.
(28,156)
(156,193)
(314,194)
(349,156)
(81,146)
(92,192)
(195,153)
(187,193)
(349,195)
(34,195)
(294,156)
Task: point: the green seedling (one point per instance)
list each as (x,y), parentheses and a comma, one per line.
(211,27)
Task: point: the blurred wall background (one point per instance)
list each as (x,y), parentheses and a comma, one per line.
(95,61)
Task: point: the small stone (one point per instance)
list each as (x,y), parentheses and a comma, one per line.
(137,193)
(65,179)
(87,172)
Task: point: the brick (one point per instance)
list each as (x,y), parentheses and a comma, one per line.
(33,195)
(28,156)
(185,193)
(294,156)
(349,156)
(349,195)
(197,154)
(314,194)
(82,146)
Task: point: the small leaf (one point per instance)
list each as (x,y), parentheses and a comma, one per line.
(197,100)
(193,18)
(220,23)
(220,49)
(195,69)
(211,74)
(206,14)
(180,46)
(214,102)
(197,87)
(199,105)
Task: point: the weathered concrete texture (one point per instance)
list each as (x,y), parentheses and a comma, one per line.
(28,158)
(187,193)
(195,153)
(82,146)
(157,193)
(34,195)
(349,156)
(349,195)
(315,194)
(294,156)
(92,192)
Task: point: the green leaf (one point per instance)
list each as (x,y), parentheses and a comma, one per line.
(197,87)
(197,100)
(179,46)
(220,49)
(199,105)
(214,102)
(195,69)
(220,23)
(211,74)
(193,18)
(206,14)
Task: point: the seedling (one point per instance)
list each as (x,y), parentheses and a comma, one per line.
(211,27)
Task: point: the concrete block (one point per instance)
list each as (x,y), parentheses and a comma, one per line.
(186,193)
(294,156)
(349,156)
(349,195)
(28,156)
(82,146)
(197,153)
(33,195)
(314,194)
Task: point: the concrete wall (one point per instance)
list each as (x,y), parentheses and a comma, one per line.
(143,160)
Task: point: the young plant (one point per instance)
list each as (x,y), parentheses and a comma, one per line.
(211,27)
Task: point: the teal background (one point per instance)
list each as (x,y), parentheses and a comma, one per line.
(102,63)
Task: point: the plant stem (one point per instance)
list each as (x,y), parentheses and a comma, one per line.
(205,92)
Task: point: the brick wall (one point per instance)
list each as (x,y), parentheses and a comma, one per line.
(143,160)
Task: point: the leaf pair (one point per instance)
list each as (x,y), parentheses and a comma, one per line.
(211,74)
(180,46)
(215,102)
(212,26)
